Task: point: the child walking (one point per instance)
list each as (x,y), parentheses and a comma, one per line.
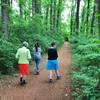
(52,64)
(37,57)
(23,55)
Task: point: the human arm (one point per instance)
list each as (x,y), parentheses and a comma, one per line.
(17,54)
(29,55)
(56,53)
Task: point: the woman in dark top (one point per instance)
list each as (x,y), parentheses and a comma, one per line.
(52,54)
(52,61)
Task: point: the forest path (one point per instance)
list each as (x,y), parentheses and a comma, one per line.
(38,87)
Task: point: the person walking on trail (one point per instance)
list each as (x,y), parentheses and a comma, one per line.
(52,64)
(23,55)
(37,57)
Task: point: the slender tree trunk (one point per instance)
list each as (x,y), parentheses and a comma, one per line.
(98,3)
(21,8)
(71,22)
(93,18)
(33,7)
(51,15)
(47,15)
(5,17)
(38,6)
(58,14)
(54,14)
(77,17)
(88,9)
(0,10)
(25,12)
(72,17)
(11,2)
(82,29)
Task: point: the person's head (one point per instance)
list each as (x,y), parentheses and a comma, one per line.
(25,44)
(53,44)
(36,46)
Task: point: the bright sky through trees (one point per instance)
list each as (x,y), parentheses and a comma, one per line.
(66,12)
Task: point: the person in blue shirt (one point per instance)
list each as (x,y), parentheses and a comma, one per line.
(37,57)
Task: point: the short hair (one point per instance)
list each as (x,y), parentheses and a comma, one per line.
(53,43)
(25,44)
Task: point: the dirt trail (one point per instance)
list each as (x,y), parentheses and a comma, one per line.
(38,87)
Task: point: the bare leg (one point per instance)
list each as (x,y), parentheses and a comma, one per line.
(50,74)
(58,74)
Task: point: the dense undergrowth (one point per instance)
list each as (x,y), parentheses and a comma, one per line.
(86,68)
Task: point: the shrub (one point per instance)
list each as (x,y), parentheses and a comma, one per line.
(7,57)
(86,55)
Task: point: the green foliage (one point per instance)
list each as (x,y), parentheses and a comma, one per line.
(87,67)
(27,20)
(86,49)
(7,57)
(30,31)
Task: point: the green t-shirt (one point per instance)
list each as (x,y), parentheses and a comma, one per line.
(23,55)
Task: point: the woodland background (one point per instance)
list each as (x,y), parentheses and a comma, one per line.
(42,20)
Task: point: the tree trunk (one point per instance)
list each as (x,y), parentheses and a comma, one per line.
(58,14)
(87,18)
(11,2)
(71,22)
(21,8)
(38,6)
(82,29)
(47,15)
(5,17)
(33,7)
(98,3)
(93,18)
(54,14)
(51,15)
(77,17)
(72,17)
